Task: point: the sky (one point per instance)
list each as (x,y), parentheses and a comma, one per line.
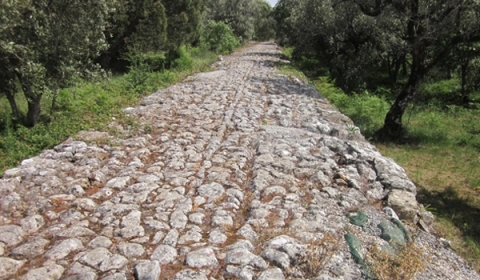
(272,2)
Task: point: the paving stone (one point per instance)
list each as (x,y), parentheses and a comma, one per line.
(131,250)
(75,231)
(48,271)
(147,270)
(32,224)
(132,219)
(271,274)
(9,267)
(191,236)
(216,236)
(196,218)
(103,260)
(64,248)
(245,257)
(116,276)
(202,258)
(30,249)
(80,272)
(243,273)
(188,274)
(100,241)
(278,258)
(71,216)
(247,232)
(164,254)
(11,234)
(178,220)
(222,218)
(171,238)
(212,191)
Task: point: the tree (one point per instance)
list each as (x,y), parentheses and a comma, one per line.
(218,37)
(243,16)
(136,25)
(184,21)
(46,43)
(264,25)
(432,30)
(358,39)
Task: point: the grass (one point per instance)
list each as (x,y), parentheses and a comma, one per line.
(89,105)
(440,152)
(405,263)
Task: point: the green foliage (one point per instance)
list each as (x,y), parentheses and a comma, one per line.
(137,26)
(249,19)
(45,45)
(184,60)
(218,37)
(366,110)
(367,44)
(184,21)
(441,92)
(264,23)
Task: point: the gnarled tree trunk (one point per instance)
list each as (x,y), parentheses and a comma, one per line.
(33,100)
(13,105)
(392,127)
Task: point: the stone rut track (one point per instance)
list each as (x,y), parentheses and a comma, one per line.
(239,173)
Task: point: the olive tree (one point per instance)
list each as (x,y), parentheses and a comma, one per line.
(134,26)
(44,44)
(358,39)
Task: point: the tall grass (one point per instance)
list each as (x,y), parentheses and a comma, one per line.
(90,105)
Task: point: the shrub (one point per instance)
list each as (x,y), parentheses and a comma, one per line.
(184,60)
(219,37)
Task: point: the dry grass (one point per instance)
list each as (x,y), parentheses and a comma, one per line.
(168,271)
(404,264)
(316,256)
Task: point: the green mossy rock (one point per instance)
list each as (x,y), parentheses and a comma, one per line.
(357,218)
(392,233)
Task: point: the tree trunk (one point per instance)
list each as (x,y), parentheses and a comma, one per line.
(33,101)
(465,95)
(33,112)
(54,101)
(392,128)
(13,105)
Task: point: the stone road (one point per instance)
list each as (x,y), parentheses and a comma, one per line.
(239,173)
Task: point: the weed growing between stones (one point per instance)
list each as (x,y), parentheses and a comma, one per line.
(403,264)
(316,256)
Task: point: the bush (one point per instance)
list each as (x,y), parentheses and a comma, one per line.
(219,37)
(184,60)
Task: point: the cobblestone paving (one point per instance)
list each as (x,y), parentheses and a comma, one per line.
(239,173)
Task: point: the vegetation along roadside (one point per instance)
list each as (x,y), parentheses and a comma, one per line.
(67,66)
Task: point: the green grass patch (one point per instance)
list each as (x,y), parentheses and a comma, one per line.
(90,105)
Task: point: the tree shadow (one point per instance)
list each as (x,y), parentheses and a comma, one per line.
(449,205)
